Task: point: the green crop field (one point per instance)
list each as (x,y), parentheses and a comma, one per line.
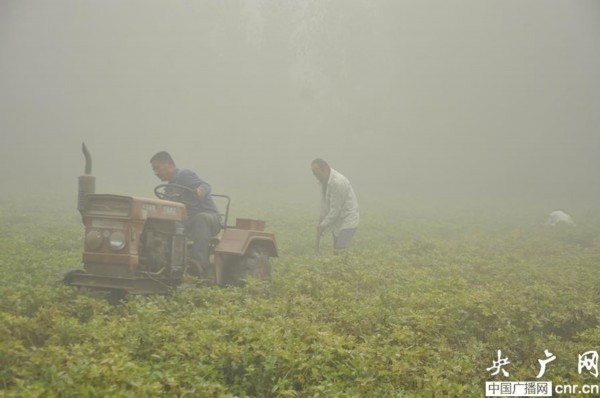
(418,307)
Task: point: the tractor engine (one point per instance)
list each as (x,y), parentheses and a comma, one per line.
(162,248)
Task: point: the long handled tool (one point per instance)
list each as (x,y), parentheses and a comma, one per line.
(318,243)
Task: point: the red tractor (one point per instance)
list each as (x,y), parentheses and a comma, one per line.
(139,245)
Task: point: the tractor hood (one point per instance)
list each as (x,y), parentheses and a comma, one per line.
(131,207)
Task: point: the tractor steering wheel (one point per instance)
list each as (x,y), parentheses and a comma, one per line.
(173,192)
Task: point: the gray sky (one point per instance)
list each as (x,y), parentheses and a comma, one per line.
(434,98)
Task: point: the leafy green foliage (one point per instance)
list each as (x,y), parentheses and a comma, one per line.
(418,307)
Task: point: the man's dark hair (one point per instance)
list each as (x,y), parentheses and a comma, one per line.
(162,157)
(322,164)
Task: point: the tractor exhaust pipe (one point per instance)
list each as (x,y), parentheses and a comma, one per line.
(88,159)
(87,182)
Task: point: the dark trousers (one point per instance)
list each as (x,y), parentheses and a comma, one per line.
(200,228)
(342,241)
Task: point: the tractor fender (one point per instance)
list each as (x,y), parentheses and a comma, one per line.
(237,241)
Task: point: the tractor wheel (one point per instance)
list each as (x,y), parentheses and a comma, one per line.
(254,264)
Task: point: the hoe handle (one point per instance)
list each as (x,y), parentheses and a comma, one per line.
(318,243)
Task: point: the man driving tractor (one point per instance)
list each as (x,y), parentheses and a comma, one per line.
(203,220)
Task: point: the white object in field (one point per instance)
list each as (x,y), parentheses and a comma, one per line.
(557,217)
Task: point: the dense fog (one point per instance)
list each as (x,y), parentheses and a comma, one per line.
(468,99)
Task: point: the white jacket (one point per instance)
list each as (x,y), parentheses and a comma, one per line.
(339,207)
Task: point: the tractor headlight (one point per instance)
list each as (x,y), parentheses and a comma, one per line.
(117,240)
(93,240)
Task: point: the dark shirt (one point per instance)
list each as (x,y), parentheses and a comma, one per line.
(194,205)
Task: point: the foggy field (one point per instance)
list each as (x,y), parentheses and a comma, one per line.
(418,306)
(460,125)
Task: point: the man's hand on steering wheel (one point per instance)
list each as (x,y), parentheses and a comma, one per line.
(162,192)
